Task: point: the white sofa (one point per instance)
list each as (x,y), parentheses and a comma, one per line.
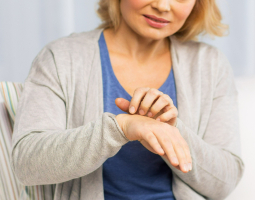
(10,187)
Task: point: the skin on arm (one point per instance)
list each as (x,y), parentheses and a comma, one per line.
(157,137)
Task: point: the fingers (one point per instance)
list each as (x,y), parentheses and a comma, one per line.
(186,150)
(137,98)
(170,152)
(123,104)
(175,147)
(151,139)
(147,146)
(152,101)
(163,101)
(169,113)
(152,95)
(163,139)
(182,151)
(176,167)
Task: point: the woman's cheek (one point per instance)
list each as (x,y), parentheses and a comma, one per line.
(182,11)
(136,4)
(131,7)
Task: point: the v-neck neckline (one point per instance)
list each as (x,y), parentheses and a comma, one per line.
(161,88)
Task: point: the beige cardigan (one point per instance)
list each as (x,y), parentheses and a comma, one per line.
(62,136)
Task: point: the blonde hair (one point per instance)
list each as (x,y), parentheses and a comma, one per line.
(205,18)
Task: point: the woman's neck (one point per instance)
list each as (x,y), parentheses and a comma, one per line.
(127,42)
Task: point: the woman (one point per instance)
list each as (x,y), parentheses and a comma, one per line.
(70,134)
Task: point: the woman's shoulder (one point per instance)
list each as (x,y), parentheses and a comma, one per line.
(76,42)
(200,54)
(66,54)
(196,48)
(198,60)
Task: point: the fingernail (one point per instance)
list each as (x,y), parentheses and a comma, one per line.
(149,114)
(141,112)
(186,168)
(158,119)
(175,160)
(132,109)
(161,150)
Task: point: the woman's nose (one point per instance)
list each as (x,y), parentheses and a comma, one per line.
(162,5)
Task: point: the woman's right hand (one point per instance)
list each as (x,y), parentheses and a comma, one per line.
(159,138)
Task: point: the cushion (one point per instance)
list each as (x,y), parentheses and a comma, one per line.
(10,187)
(11,92)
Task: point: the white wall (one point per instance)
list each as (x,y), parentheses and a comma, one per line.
(27,26)
(246,88)
(239,45)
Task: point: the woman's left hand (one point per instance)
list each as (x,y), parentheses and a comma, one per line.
(152,103)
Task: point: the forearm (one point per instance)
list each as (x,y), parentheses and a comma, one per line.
(56,156)
(215,171)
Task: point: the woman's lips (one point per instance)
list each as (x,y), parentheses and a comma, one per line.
(156,22)
(156,18)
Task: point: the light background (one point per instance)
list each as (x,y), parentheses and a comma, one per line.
(26,26)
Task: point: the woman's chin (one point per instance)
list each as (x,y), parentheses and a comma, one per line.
(154,34)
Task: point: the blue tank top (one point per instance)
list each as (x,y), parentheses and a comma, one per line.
(134,173)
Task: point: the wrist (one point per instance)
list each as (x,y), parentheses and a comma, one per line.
(121,119)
